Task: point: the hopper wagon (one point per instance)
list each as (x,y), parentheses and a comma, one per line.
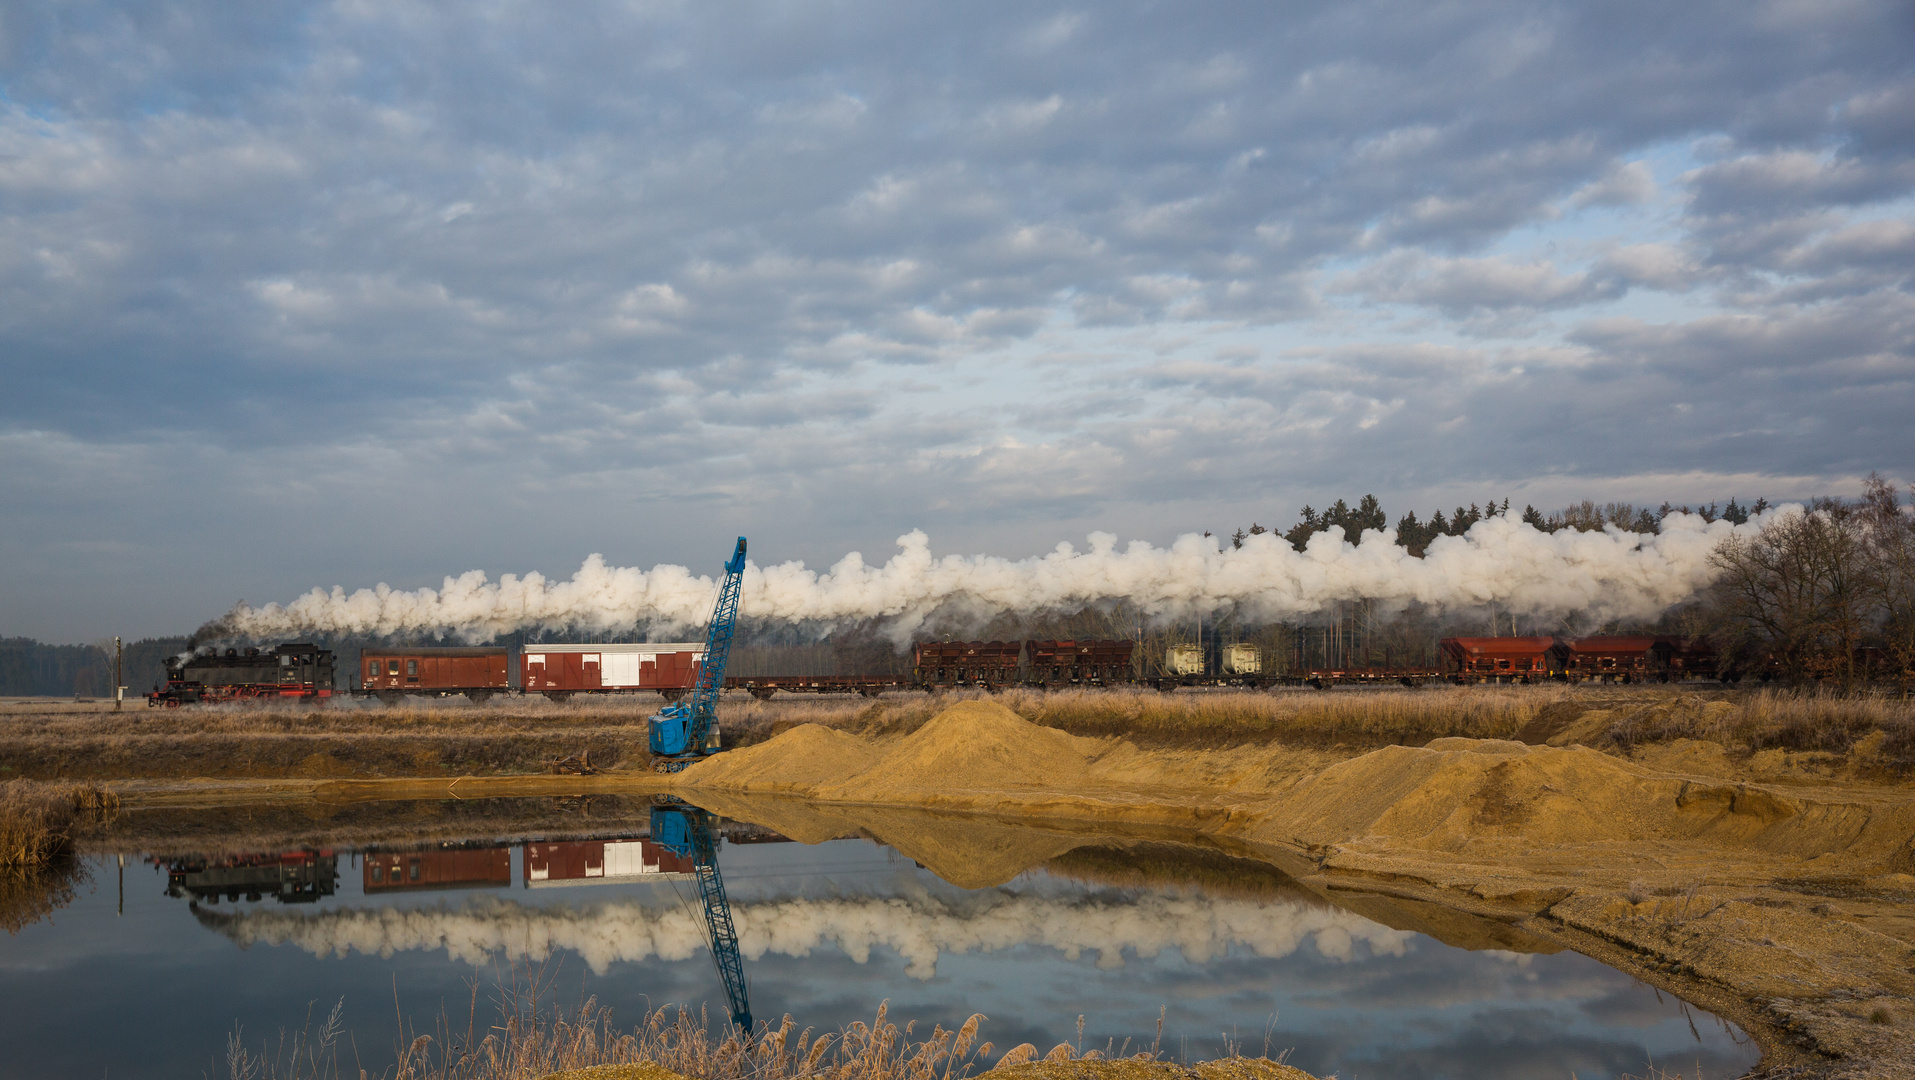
(952,664)
(392,674)
(1610,658)
(1498,659)
(1100,662)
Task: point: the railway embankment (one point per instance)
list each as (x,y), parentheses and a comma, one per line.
(1776,892)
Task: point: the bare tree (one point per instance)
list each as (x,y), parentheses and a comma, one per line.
(1892,544)
(1801,593)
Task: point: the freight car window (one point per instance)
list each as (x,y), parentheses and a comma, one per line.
(372,668)
(412,667)
(392,667)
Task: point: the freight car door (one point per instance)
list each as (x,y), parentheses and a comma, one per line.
(589,671)
(532,671)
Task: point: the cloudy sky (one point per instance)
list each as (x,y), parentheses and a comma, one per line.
(298,295)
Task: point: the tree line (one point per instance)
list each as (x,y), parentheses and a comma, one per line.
(1415,534)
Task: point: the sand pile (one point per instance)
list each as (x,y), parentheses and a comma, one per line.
(971,746)
(1460,795)
(795,762)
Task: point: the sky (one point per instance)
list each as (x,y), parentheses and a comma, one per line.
(300,295)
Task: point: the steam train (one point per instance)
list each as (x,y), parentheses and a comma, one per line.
(297,670)
(300,671)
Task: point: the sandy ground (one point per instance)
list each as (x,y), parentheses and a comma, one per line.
(1774,891)
(1784,906)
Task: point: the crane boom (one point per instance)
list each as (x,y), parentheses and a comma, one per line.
(684,732)
(687,831)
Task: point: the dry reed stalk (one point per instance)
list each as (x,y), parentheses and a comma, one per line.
(532,1039)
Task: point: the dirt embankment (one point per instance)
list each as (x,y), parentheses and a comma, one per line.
(1783,905)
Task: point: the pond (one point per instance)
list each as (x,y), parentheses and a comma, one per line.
(254,920)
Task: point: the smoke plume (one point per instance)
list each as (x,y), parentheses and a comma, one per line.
(919,929)
(1499,561)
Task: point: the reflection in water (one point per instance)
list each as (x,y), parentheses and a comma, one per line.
(28,895)
(433,869)
(290,877)
(1120,930)
(919,928)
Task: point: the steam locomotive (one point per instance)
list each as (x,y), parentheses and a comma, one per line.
(292,671)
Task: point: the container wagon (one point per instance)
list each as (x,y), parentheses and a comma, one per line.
(392,674)
(559,671)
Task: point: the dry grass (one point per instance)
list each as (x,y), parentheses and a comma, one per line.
(522,735)
(37,820)
(530,1039)
(38,873)
(1809,721)
(1357,718)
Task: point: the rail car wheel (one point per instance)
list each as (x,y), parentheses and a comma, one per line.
(388,697)
(558,696)
(762,693)
(478,697)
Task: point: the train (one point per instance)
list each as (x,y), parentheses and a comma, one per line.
(302,671)
(294,671)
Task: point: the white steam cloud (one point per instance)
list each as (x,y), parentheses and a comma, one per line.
(919,929)
(1500,561)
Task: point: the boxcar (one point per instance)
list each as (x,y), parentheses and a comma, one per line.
(559,671)
(391,674)
(441,868)
(597,862)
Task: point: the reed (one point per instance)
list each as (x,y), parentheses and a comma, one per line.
(530,1038)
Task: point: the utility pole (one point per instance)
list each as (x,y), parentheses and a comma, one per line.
(119,691)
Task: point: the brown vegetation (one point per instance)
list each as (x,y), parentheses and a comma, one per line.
(530,1040)
(1825,596)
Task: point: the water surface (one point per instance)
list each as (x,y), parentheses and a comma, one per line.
(149,979)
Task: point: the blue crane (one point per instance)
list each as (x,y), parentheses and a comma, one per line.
(687,831)
(686,731)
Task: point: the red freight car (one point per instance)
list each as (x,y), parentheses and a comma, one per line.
(1683,658)
(559,671)
(1610,659)
(1083,663)
(1496,659)
(987,664)
(391,674)
(597,862)
(451,868)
